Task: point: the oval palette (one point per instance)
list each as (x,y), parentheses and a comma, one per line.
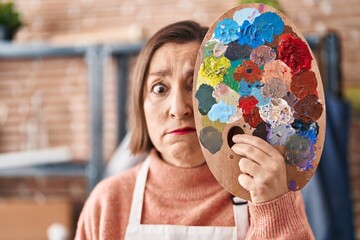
(255,74)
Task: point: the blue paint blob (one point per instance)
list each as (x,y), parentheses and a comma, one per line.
(307,130)
(244,88)
(246,14)
(262,30)
(269,24)
(226,31)
(257,93)
(250,35)
(221,111)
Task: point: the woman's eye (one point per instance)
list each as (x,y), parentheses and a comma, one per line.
(158,88)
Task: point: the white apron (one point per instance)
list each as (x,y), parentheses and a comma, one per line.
(137,231)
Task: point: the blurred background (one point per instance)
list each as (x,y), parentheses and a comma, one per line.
(64,67)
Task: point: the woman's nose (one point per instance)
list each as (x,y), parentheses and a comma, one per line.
(180,104)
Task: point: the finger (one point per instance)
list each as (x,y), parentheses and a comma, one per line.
(246,182)
(249,167)
(251,152)
(256,142)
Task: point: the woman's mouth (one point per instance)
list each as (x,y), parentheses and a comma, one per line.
(181,131)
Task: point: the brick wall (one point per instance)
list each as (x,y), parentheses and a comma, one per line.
(63,85)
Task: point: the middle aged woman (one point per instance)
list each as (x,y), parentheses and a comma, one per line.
(173,195)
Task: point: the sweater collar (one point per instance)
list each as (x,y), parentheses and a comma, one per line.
(168,181)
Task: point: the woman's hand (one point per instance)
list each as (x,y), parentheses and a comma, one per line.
(262,166)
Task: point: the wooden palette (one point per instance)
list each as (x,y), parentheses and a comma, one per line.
(255,74)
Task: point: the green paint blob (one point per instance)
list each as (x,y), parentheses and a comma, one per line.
(205,98)
(229,79)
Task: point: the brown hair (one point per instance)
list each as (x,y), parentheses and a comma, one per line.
(180,32)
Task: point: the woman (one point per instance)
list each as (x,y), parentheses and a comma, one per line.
(173,195)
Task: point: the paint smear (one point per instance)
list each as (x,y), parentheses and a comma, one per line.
(307,130)
(261,31)
(257,93)
(226,31)
(247,104)
(249,71)
(224,93)
(211,139)
(308,109)
(205,98)
(205,121)
(277,70)
(253,118)
(299,152)
(214,69)
(275,88)
(221,112)
(278,112)
(245,14)
(290,99)
(304,84)
(219,49)
(262,55)
(236,51)
(294,53)
(292,185)
(229,79)
(261,131)
(279,135)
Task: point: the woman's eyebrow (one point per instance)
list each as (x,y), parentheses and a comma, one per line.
(159,73)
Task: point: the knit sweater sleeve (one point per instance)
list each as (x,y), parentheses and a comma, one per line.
(88,222)
(281,218)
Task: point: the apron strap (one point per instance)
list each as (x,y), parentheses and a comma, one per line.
(138,195)
(241,216)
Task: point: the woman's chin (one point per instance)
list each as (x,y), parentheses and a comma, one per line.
(184,154)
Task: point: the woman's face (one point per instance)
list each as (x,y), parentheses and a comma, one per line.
(168,104)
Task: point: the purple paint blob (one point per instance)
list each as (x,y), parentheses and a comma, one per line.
(292,185)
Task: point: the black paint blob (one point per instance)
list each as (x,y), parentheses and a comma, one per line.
(261,131)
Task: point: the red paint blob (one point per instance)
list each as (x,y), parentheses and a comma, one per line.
(304,84)
(294,53)
(308,109)
(249,71)
(247,104)
(253,118)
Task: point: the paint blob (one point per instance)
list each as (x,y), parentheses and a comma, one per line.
(275,88)
(205,98)
(262,55)
(249,71)
(236,51)
(211,139)
(261,131)
(308,109)
(304,84)
(294,53)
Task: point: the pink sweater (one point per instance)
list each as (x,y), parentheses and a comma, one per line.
(185,197)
